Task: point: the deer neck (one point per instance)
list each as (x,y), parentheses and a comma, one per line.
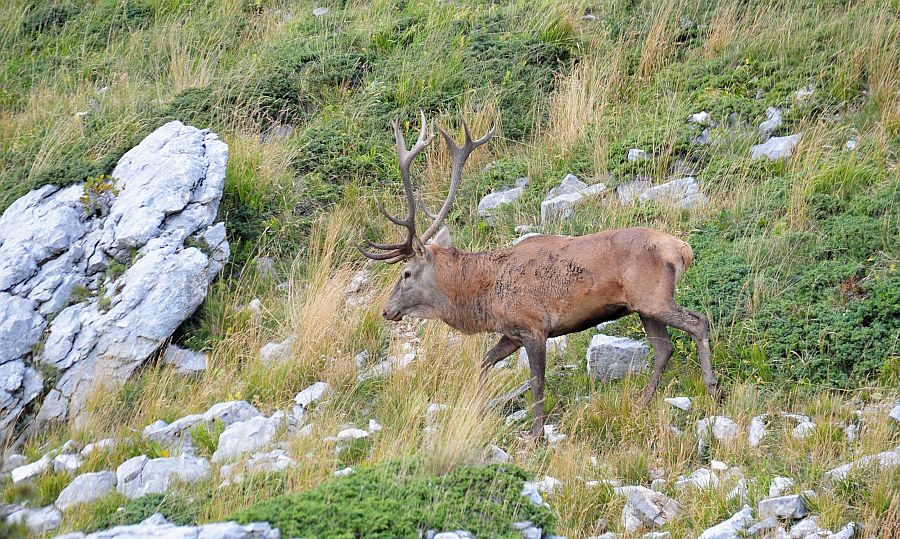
(463,282)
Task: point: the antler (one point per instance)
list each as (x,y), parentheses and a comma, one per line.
(395,252)
(399,251)
(458,156)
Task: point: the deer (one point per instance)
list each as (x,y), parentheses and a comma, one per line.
(544,286)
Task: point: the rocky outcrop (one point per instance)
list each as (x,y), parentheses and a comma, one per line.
(776,148)
(560,202)
(86,488)
(116,264)
(140,475)
(177,435)
(158,527)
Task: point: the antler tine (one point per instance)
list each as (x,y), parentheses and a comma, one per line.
(458,157)
(421,202)
(389,256)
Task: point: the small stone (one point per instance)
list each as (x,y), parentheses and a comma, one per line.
(701,479)
(276,351)
(488,205)
(850,431)
(730,528)
(773,121)
(344,471)
(549,485)
(702,118)
(82,114)
(780,485)
(498,455)
(718,466)
(658,485)
(614,358)
(247,436)
(86,488)
(683,193)
(850,145)
(106,444)
(805,92)
(38,521)
(12,461)
(722,428)
(682,403)
(530,491)
(560,202)
(797,418)
(763,527)
(757,431)
(803,430)
(433,411)
(184,361)
(776,147)
(67,463)
(847,532)
(705,138)
(319,12)
(516,416)
(28,472)
(636,154)
(311,394)
(629,191)
(806,527)
(351,434)
(886,460)
(791,506)
(648,508)
(895,413)
(374,426)
(551,436)
(361,359)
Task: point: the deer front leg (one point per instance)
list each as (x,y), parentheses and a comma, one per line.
(536,348)
(504,347)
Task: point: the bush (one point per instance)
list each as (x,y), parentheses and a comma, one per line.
(177,509)
(44,17)
(390,500)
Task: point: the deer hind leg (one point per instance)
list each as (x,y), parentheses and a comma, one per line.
(536,348)
(697,326)
(662,351)
(504,347)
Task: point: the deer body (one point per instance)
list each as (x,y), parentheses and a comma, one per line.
(545,286)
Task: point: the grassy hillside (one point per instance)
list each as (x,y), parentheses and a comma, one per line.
(795,262)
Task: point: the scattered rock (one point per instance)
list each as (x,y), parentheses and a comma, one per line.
(319,12)
(272,352)
(560,201)
(683,193)
(776,147)
(780,485)
(551,436)
(630,190)
(351,434)
(847,532)
(530,491)
(518,415)
(67,463)
(763,527)
(718,466)
(806,91)
(797,418)
(140,475)
(303,399)
(554,346)
(524,237)
(807,527)
(12,461)
(850,431)
(374,426)
(723,429)
(549,485)
(158,527)
(27,472)
(177,434)
(390,364)
(38,521)
(636,154)
(803,430)
(271,462)
(247,436)
(757,431)
(730,528)
(783,507)
(773,121)
(492,201)
(682,403)
(895,413)
(164,201)
(702,118)
(701,479)
(343,471)
(850,145)
(498,455)
(648,508)
(705,137)
(885,460)
(185,361)
(614,358)
(86,488)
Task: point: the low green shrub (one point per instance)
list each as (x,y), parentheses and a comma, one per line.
(177,508)
(394,500)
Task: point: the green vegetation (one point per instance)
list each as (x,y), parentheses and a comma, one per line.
(392,500)
(116,511)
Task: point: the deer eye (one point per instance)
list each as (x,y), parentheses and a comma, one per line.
(406,274)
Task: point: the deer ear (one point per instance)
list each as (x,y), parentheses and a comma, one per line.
(442,238)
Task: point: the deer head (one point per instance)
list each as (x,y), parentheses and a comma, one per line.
(415,292)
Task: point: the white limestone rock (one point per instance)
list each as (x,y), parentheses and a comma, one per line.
(783,507)
(27,472)
(489,203)
(702,118)
(757,431)
(701,479)
(776,147)
(773,121)
(247,436)
(803,430)
(140,475)
(614,358)
(67,463)
(780,485)
(682,403)
(38,521)
(157,527)
(731,528)
(177,434)
(722,428)
(648,508)
(683,193)
(184,361)
(560,202)
(886,460)
(636,154)
(86,488)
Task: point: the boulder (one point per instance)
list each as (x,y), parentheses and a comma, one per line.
(184,361)
(151,222)
(683,193)
(140,475)
(27,472)
(12,461)
(773,121)
(614,358)
(776,147)
(560,202)
(177,434)
(648,508)
(780,485)
(38,521)
(722,428)
(492,201)
(157,527)
(783,507)
(731,528)
(757,431)
(630,190)
(247,436)
(86,488)
(682,403)
(886,460)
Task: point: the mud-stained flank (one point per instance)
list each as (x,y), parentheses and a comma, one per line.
(547,276)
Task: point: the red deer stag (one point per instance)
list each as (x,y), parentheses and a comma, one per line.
(543,287)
